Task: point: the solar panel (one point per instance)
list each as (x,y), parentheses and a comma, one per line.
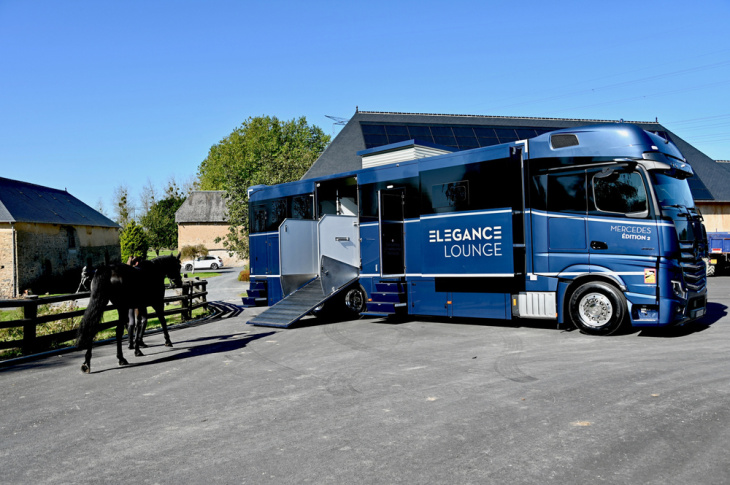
(461,137)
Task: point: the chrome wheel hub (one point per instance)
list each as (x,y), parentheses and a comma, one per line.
(354,300)
(595,310)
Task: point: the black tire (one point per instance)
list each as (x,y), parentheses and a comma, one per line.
(345,306)
(213,266)
(711,270)
(355,300)
(188,267)
(597,308)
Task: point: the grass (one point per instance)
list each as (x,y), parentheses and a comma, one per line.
(201,274)
(163,252)
(9,334)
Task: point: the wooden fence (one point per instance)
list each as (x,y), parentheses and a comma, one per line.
(31,343)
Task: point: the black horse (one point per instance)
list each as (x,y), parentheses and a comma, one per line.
(127,288)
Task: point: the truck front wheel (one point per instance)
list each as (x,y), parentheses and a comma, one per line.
(597,308)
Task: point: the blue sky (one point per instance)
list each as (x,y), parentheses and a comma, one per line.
(94,94)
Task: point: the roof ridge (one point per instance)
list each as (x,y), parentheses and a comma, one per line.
(502,117)
(44,187)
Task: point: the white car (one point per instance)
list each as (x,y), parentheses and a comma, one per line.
(203,262)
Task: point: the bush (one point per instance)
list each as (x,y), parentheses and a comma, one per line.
(134,242)
(244,275)
(192,252)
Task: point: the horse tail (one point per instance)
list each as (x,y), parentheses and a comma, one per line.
(100,290)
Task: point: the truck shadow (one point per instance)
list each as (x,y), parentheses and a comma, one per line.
(715,312)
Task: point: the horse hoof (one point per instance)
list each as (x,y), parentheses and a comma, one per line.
(85,368)
(138,353)
(143,345)
(168,344)
(123,361)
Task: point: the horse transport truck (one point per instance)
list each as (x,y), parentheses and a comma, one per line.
(593,227)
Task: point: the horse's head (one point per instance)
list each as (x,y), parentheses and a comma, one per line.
(173,271)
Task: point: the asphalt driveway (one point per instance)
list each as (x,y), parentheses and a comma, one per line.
(371,401)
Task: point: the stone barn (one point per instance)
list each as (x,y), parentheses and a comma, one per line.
(47,236)
(201,219)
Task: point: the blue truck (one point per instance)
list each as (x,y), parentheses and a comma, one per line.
(593,227)
(719,249)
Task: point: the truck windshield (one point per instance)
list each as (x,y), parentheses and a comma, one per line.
(671,191)
(674,197)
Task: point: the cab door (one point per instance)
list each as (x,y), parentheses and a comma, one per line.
(623,237)
(567,222)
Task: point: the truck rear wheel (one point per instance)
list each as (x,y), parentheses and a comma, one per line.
(597,308)
(355,300)
(347,305)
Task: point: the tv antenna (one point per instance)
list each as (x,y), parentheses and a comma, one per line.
(337,121)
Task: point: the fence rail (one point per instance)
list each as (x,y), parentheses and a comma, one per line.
(192,290)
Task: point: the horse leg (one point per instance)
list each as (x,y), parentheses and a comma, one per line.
(141,326)
(130,327)
(120,333)
(123,314)
(86,366)
(139,333)
(160,311)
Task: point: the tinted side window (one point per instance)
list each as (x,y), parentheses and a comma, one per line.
(567,193)
(619,192)
(257,217)
(538,192)
(476,186)
(454,195)
(267,215)
(301,206)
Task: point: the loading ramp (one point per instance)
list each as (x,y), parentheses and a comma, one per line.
(296,306)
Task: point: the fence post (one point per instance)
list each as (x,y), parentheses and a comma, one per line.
(204,296)
(185,315)
(30,314)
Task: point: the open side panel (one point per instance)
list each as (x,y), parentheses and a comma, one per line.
(339,239)
(298,251)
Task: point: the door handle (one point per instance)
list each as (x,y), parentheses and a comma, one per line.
(598,245)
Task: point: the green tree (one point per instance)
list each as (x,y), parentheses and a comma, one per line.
(123,210)
(263,150)
(159,221)
(133,241)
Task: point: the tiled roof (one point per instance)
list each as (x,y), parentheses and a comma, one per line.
(203,206)
(25,202)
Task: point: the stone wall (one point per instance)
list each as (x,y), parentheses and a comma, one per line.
(7,262)
(192,234)
(51,257)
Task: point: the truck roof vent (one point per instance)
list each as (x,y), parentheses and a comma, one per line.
(564,140)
